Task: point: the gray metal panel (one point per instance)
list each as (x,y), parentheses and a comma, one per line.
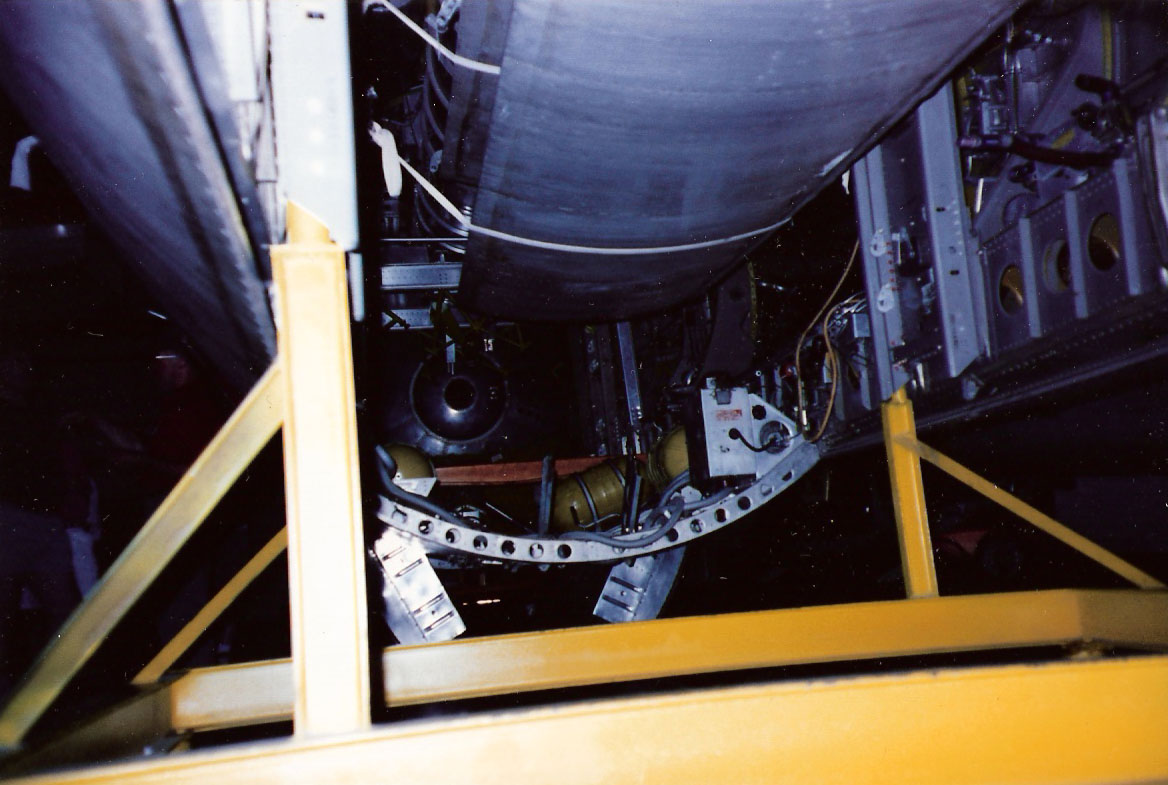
(441,275)
(417,607)
(879,273)
(962,324)
(1048,232)
(1140,259)
(314,111)
(107,87)
(637,588)
(1006,329)
(659,123)
(1083,33)
(1085,204)
(1028,264)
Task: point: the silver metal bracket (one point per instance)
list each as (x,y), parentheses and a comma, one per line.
(440,537)
(636,589)
(630,376)
(413,276)
(417,607)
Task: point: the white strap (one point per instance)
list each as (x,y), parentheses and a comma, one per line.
(457,59)
(597,250)
(390,160)
(609,251)
(439,197)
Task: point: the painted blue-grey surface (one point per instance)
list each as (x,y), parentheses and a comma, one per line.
(108,88)
(661,123)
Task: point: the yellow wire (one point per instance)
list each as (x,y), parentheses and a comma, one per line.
(832,359)
(803,337)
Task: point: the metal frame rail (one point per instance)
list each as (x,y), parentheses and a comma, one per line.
(1088,719)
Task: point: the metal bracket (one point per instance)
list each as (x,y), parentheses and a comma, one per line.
(417,607)
(441,275)
(778,471)
(636,589)
(630,376)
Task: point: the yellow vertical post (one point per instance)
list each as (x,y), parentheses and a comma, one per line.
(908,498)
(325,543)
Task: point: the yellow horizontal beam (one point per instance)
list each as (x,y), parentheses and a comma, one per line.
(259,692)
(1101,721)
(225,696)
(1127,618)
(1031,515)
(213,473)
(706,644)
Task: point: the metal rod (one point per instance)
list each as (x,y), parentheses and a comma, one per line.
(908,498)
(1030,514)
(422,240)
(326,549)
(547,477)
(212,610)
(628,358)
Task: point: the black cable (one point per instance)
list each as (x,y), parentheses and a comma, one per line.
(632,494)
(701,504)
(387,468)
(663,506)
(674,509)
(1009,143)
(734,433)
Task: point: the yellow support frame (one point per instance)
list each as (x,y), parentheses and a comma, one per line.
(211,698)
(227,696)
(326,565)
(213,473)
(157,667)
(1096,721)
(1102,721)
(326,550)
(908,498)
(1031,515)
(905,452)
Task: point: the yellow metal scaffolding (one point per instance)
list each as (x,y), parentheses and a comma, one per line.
(1082,722)
(908,498)
(326,551)
(1087,720)
(161,537)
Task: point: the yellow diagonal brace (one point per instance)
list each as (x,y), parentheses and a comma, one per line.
(211,475)
(908,498)
(1030,514)
(212,610)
